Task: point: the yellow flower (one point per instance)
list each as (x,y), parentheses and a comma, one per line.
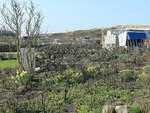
(24,72)
(69,71)
(17,72)
(21,74)
(12,77)
(17,76)
(124,71)
(91,68)
(81,74)
(59,77)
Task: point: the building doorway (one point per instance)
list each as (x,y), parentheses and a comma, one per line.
(132,43)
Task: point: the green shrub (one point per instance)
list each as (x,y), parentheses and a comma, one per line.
(88,109)
(76,93)
(146,69)
(127,96)
(144,78)
(83,109)
(123,95)
(97,109)
(103,71)
(9,111)
(135,109)
(122,58)
(127,75)
(55,98)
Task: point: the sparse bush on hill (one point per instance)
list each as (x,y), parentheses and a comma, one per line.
(146,69)
(144,78)
(128,75)
(135,109)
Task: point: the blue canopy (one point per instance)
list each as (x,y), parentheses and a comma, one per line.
(133,35)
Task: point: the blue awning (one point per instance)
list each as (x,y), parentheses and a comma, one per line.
(133,35)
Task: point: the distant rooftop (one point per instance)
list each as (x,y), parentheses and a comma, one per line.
(121,30)
(136,29)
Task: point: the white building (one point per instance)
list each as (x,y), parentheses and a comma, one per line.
(127,37)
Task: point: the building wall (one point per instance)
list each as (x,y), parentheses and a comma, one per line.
(122,39)
(109,41)
(119,38)
(148,34)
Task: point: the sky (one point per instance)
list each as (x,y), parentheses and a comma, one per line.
(70,15)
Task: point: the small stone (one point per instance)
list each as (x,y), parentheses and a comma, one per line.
(119,103)
(108,109)
(121,109)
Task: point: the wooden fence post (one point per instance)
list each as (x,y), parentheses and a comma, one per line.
(28,58)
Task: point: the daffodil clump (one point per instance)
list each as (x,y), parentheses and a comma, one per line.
(91,70)
(56,78)
(69,76)
(77,77)
(21,78)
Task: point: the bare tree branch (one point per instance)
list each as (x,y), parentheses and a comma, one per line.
(20,19)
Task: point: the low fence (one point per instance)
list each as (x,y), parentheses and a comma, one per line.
(7,55)
(28,58)
(7,48)
(59,58)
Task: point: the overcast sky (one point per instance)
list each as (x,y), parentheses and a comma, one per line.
(69,15)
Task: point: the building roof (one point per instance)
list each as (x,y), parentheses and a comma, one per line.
(141,29)
(118,31)
(133,35)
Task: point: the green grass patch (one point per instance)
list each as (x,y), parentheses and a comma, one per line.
(8,64)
